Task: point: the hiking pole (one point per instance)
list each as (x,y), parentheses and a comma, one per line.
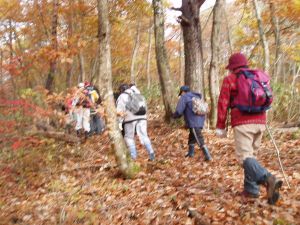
(278,156)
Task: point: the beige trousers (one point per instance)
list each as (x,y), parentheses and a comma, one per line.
(247,139)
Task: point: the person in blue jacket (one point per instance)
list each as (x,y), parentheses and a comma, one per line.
(194,122)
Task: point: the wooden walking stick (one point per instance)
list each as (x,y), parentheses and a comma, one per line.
(278,155)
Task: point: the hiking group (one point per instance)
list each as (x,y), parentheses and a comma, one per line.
(245,93)
(83,110)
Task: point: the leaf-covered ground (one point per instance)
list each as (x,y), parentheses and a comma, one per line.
(52,183)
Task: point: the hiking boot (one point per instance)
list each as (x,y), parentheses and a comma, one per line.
(206,153)
(191,151)
(247,194)
(273,185)
(152,157)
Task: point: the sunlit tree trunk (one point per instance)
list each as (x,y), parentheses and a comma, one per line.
(81,60)
(94,69)
(134,53)
(228,30)
(181,59)
(214,64)
(148,63)
(70,66)
(53,63)
(166,83)
(276,28)
(105,84)
(1,65)
(190,23)
(263,37)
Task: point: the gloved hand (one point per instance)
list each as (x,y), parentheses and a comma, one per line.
(222,133)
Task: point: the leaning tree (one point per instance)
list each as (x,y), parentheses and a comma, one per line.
(105,83)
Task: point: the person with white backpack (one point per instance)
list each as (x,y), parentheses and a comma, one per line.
(131,109)
(192,106)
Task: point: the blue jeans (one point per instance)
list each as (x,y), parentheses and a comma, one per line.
(254,175)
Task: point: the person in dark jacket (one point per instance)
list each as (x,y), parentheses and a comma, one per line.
(194,122)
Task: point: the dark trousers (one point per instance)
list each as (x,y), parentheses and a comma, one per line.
(196,136)
(97,124)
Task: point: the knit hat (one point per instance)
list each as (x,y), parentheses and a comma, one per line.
(184,88)
(236,60)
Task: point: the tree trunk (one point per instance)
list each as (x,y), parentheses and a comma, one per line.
(190,24)
(94,70)
(1,66)
(263,37)
(105,84)
(167,88)
(214,64)
(11,56)
(148,63)
(134,53)
(181,59)
(228,30)
(276,28)
(53,63)
(70,66)
(82,77)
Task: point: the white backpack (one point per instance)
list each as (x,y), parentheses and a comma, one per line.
(136,104)
(199,106)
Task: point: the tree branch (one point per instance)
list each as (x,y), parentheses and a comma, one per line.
(183,20)
(200,3)
(176,9)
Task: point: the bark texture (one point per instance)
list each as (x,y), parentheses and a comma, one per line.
(166,83)
(276,29)
(122,155)
(148,63)
(134,53)
(214,64)
(263,37)
(53,63)
(190,23)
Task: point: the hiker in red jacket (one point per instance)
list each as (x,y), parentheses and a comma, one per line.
(248,131)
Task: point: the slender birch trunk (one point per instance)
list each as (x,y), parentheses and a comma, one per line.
(134,53)
(181,59)
(167,87)
(53,64)
(276,28)
(122,155)
(148,63)
(263,37)
(214,64)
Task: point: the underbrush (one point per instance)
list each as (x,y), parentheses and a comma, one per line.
(286,104)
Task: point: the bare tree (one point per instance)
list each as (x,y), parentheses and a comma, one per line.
(276,28)
(190,23)
(167,88)
(53,63)
(105,83)
(70,66)
(148,63)
(214,63)
(262,35)
(134,52)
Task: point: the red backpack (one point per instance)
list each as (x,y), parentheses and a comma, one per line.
(254,93)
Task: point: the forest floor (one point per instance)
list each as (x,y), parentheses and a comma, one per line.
(55,183)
